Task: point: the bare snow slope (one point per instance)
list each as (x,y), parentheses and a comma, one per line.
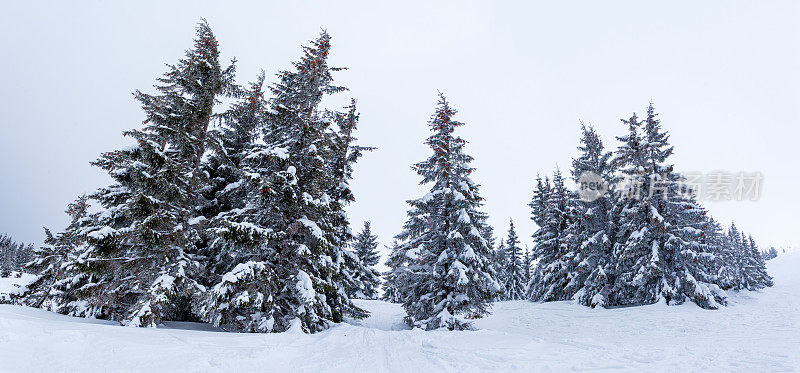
(759,331)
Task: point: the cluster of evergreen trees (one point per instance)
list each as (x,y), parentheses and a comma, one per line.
(644,242)
(772,253)
(13,255)
(235,217)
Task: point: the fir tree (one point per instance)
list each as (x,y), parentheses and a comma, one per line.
(59,282)
(240,274)
(591,235)
(309,230)
(139,259)
(448,278)
(527,263)
(723,265)
(398,264)
(499,258)
(754,271)
(514,272)
(13,255)
(553,211)
(366,248)
(658,250)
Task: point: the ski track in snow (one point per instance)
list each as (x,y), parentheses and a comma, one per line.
(757,332)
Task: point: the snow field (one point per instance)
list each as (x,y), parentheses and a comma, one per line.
(759,331)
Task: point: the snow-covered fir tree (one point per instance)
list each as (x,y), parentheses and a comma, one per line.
(753,268)
(13,255)
(366,245)
(59,282)
(498,257)
(366,248)
(311,265)
(513,271)
(242,226)
(397,263)
(553,211)
(591,235)
(724,265)
(241,280)
(527,263)
(658,253)
(290,268)
(140,252)
(447,279)
(770,254)
(233,215)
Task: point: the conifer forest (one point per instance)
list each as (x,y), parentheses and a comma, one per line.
(223,237)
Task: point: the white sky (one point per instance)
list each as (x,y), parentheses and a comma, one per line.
(723,75)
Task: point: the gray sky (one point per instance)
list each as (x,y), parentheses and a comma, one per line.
(723,75)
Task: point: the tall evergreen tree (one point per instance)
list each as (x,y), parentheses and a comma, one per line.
(141,249)
(309,232)
(448,278)
(514,281)
(591,234)
(553,212)
(658,251)
(527,263)
(366,245)
(393,279)
(59,282)
(240,272)
(366,248)
(499,258)
(723,265)
(754,270)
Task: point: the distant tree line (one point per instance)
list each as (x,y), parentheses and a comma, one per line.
(13,255)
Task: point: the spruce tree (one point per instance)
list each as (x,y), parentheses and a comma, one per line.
(309,230)
(394,277)
(527,263)
(140,253)
(240,275)
(499,259)
(59,282)
(754,270)
(366,248)
(723,264)
(8,254)
(553,211)
(514,281)
(658,250)
(591,235)
(448,278)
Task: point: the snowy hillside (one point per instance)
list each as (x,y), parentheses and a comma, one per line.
(757,332)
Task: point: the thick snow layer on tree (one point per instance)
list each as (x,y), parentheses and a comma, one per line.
(14,285)
(759,331)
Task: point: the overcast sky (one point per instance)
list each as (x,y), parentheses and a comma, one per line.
(725,77)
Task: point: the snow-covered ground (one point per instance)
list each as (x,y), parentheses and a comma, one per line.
(758,332)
